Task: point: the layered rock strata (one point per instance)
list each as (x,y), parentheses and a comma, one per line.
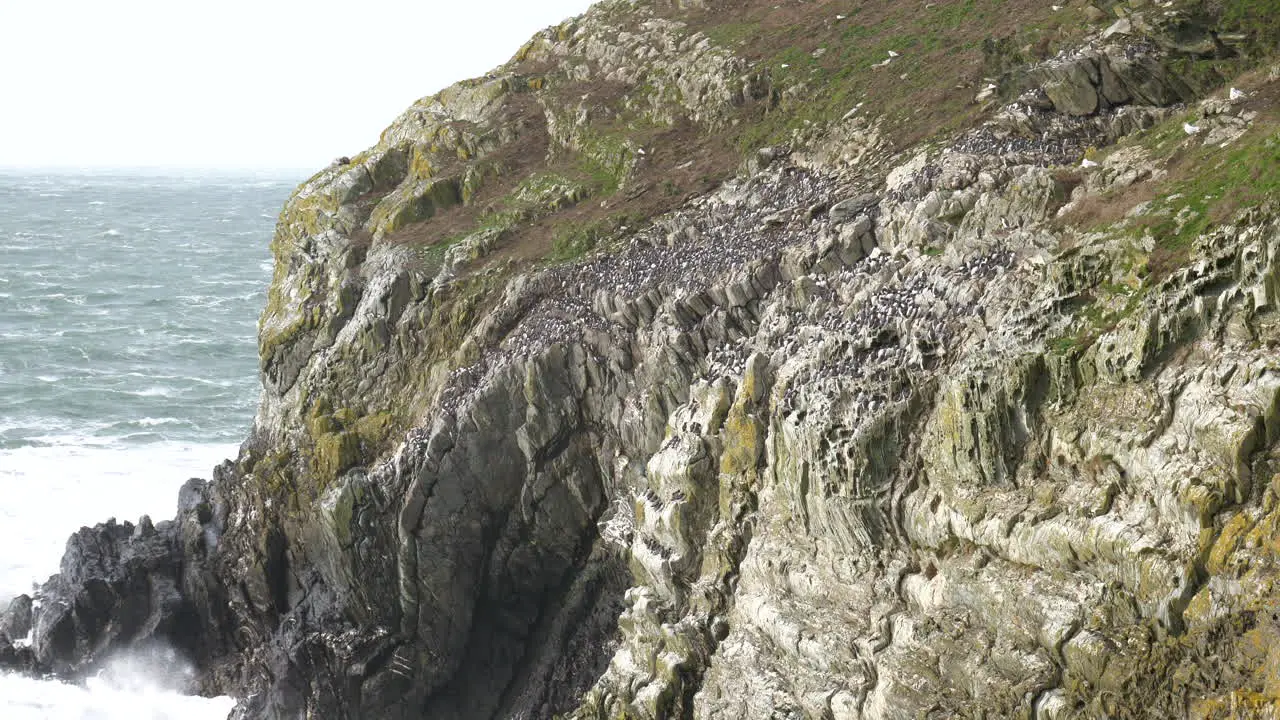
(956,428)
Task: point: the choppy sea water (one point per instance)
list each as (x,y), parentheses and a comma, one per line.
(128,311)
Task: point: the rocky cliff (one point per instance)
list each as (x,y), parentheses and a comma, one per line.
(759,359)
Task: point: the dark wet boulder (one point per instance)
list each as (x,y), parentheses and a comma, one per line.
(118,588)
(15,622)
(15,657)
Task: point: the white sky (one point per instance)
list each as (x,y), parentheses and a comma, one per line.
(235,83)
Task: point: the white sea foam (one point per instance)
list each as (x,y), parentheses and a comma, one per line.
(80,481)
(112,399)
(129,689)
(151,422)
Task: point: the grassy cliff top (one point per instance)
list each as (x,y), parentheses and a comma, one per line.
(609,120)
(629,110)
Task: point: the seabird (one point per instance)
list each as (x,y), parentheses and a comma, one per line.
(1190,129)
(1238,94)
(1087,163)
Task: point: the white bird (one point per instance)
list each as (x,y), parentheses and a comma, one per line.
(1087,163)
(1190,129)
(1238,94)
(893,54)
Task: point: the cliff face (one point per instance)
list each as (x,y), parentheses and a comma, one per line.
(738,359)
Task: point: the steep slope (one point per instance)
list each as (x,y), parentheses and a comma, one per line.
(755,359)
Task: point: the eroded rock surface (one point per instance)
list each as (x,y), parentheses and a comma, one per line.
(952,428)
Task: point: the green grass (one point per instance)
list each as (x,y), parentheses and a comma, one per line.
(431,257)
(605,159)
(550,191)
(820,69)
(910,93)
(1212,185)
(573,240)
(536,196)
(1255,18)
(1105,308)
(732,34)
(1207,186)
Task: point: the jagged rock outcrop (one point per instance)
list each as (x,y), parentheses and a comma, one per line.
(118,589)
(570,410)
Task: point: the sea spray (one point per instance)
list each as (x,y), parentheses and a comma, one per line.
(128,364)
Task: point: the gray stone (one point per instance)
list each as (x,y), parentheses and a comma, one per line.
(954,453)
(15,622)
(850,208)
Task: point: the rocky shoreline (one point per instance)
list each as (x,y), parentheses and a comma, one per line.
(962,427)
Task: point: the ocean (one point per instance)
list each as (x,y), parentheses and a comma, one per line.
(128,364)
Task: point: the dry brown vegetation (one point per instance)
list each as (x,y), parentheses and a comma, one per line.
(1211,184)
(824,50)
(927,90)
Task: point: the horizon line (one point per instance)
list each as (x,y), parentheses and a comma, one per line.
(154,169)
